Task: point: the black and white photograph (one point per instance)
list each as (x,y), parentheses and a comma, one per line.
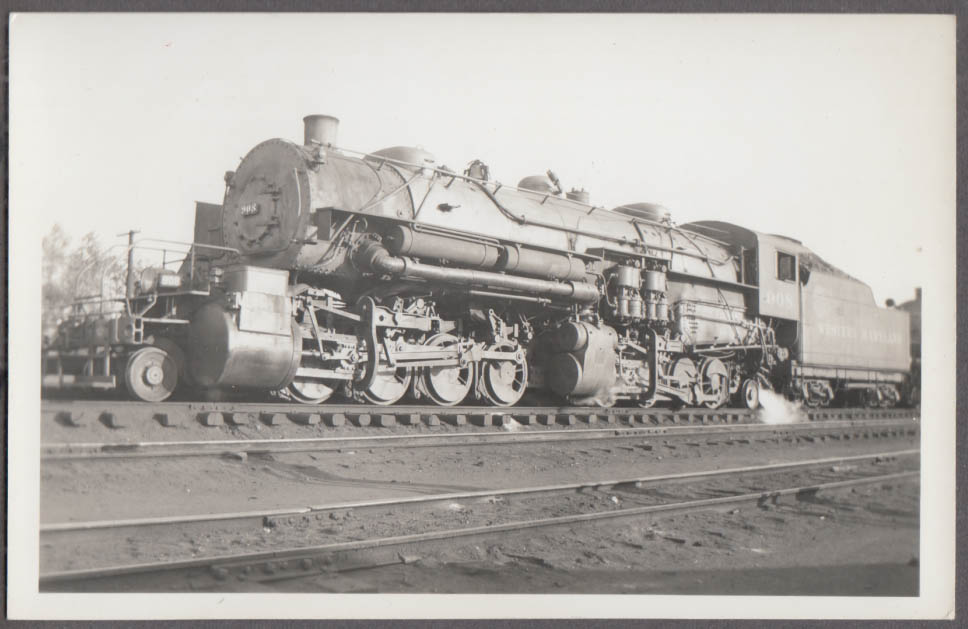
(332,315)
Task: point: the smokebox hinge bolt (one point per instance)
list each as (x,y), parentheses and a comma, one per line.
(318,156)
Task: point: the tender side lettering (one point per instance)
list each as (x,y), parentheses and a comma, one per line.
(863,334)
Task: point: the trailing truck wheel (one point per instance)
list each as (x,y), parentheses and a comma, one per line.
(750,393)
(871,398)
(151,375)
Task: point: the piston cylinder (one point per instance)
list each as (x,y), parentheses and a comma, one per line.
(572,336)
(222,354)
(249,338)
(589,370)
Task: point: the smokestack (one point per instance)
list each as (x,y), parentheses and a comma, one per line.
(320,129)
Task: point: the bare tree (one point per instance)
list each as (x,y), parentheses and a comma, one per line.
(88,271)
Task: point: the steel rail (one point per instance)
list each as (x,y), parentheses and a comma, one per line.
(217,567)
(64,527)
(89,451)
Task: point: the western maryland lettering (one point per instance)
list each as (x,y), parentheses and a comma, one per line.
(866,335)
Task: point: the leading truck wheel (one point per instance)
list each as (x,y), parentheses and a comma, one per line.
(178,355)
(151,375)
(306,390)
(310,391)
(750,392)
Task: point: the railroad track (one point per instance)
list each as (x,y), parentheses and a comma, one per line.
(588,502)
(126,414)
(712,433)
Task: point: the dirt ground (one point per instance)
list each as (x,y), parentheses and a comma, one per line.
(863,543)
(858,542)
(130,488)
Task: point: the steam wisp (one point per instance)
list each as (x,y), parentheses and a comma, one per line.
(776,409)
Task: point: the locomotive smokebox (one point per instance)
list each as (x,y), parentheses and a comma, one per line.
(320,129)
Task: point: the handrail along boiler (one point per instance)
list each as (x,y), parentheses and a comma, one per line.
(383,275)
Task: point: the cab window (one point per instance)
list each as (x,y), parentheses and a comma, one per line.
(786,266)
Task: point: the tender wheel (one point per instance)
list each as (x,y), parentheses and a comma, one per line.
(871,398)
(151,375)
(750,393)
(715,382)
(890,398)
(446,386)
(310,391)
(505,381)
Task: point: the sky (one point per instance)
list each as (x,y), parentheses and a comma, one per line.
(838,131)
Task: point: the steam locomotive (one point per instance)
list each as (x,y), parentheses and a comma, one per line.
(385,276)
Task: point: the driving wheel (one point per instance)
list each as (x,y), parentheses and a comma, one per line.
(388,384)
(505,381)
(715,383)
(447,385)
